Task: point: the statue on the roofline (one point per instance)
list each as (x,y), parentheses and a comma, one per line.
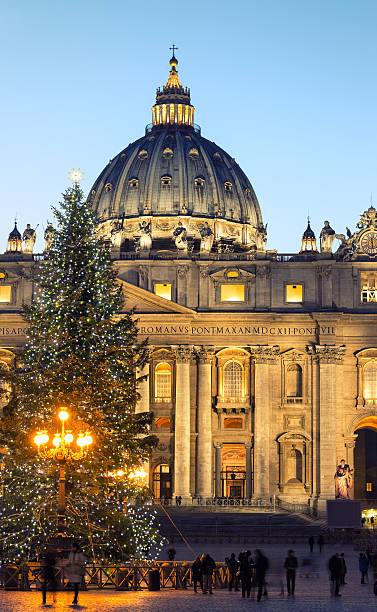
(48,236)
(29,236)
(207,238)
(327,236)
(180,237)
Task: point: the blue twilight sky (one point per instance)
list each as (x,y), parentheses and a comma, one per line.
(287,87)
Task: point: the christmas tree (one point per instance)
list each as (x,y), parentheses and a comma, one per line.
(81,354)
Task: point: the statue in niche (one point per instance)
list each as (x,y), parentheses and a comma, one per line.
(48,236)
(145,240)
(326,237)
(343,480)
(116,234)
(180,237)
(206,238)
(29,236)
(261,237)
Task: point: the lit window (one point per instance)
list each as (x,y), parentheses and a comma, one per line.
(293,293)
(162,423)
(368,287)
(368,486)
(233,274)
(228,186)
(232,293)
(232,423)
(199,182)
(143,154)
(163,290)
(233,380)
(370,380)
(163,382)
(5,293)
(133,183)
(167,153)
(108,187)
(193,153)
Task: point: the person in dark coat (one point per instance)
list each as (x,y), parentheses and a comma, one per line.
(196,572)
(48,574)
(261,568)
(171,553)
(344,569)
(208,566)
(311,543)
(233,567)
(363,567)
(335,569)
(246,572)
(291,566)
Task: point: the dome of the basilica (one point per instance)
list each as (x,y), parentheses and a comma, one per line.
(172,174)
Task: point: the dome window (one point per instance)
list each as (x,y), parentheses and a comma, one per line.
(143,154)
(133,183)
(193,154)
(199,182)
(228,186)
(123,156)
(217,157)
(167,153)
(247,192)
(108,187)
(166,181)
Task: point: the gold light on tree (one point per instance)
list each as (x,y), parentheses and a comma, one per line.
(63,449)
(75,176)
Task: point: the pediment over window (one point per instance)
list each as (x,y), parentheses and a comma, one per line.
(232,274)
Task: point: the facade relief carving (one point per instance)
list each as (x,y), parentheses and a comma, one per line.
(323,353)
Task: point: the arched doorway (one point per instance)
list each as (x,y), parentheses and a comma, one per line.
(162,488)
(365,459)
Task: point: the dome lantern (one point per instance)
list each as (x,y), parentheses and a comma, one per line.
(173,106)
(14,241)
(308,240)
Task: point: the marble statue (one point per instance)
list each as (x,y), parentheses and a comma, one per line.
(207,238)
(327,236)
(261,237)
(343,480)
(29,237)
(180,237)
(116,234)
(48,235)
(145,240)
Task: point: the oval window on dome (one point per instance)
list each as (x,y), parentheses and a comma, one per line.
(143,154)
(247,192)
(193,153)
(166,181)
(228,186)
(123,156)
(199,182)
(108,187)
(133,183)
(217,157)
(167,153)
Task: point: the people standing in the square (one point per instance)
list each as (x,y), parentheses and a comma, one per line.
(261,568)
(311,543)
(344,569)
(363,567)
(196,572)
(320,542)
(335,569)
(246,571)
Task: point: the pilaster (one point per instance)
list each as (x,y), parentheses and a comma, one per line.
(204,422)
(182,431)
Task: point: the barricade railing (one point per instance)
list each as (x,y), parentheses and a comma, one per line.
(129,576)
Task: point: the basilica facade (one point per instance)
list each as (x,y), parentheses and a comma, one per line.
(262,373)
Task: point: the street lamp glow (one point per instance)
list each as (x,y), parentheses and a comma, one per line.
(56,441)
(41,438)
(63,415)
(88,438)
(81,440)
(68,438)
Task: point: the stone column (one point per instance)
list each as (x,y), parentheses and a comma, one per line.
(204,426)
(265,357)
(327,358)
(143,405)
(218,447)
(248,488)
(182,430)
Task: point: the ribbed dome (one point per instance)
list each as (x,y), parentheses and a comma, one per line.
(173,171)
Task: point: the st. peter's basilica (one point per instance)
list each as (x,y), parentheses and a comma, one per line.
(263,366)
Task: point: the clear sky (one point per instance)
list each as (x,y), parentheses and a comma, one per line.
(287,87)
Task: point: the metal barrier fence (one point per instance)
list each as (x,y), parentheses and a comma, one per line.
(128,577)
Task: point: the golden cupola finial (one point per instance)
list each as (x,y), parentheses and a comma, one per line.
(173,101)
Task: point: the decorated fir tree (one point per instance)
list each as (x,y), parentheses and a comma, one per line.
(83,355)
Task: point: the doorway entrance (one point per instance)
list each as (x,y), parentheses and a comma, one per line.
(365,459)
(162,481)
(233,471)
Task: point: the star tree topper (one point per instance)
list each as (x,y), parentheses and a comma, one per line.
(75,176)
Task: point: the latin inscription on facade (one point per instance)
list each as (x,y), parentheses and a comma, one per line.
(12,331)
(232,330)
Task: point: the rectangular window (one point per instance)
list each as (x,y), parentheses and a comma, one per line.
(293,293)
(232,293)
(163,290)
(5,293)
(368,287)
(369,486)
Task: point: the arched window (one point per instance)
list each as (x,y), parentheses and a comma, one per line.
(166,181)
(233,380)
(370,380)
(133,183)
(163,382)
(293,380)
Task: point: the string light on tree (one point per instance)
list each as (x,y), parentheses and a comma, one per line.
(75,176)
